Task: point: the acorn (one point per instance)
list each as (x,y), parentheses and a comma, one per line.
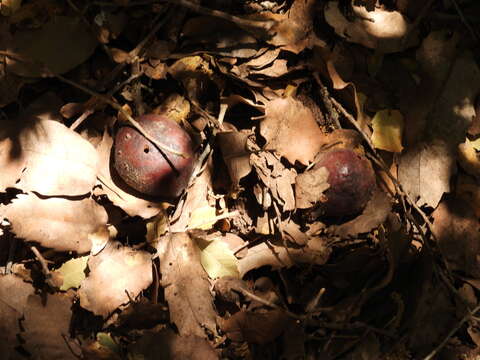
(351,179)
(143,167)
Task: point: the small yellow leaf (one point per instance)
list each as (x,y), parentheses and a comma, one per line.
(203,218)
(218,260)
(387,130)
(475,144)
(73,272)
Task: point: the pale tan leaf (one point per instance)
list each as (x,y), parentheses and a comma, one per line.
(57,223)
(114,272)
(309,187)
(379,29)
(46,157)
(287,122)
(187,289)
(218,260)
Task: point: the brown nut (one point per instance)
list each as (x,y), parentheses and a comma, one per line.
(352,181)
(143,167)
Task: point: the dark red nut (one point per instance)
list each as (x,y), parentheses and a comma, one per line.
(143,167)
(352,181)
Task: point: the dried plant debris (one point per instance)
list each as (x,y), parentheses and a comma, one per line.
(333,202)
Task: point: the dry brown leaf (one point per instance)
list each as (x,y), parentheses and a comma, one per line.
(380,29)
(276,177)
(166,345)
(292,31)
(280,257)
(457,231)
(292,232)
(374,214)
(309,187)
(187,289)
(287,122)
(255,327)
(42,47)
(233,145)
(46,157)
(57,223)
(113,272)
(425,171)
(47,328)
(132,205)
(197,197)
(435,57)
(219,36)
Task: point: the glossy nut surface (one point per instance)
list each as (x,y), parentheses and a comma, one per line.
(143,167)
(352,181)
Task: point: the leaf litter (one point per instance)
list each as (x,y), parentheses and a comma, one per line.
(244,264)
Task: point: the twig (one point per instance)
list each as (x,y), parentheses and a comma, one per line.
(327,100)
(266,302)
(241,22)
(452,332)
(465,21)
(45,270)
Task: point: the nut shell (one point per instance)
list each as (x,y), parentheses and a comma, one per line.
(143,167)
(352,181)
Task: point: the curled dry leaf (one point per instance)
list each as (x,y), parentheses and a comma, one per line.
(187,289)
(46,157)
(279,257)
(233,145)
(309,187)
(42,47)
(114,272)
(132,205)
(379,29)
(276,177)
(287,121)
(293,30)
(57,223)
(375,213)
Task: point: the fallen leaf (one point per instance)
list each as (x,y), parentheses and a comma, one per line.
(309,187)
(41,47)
(379,29)
(281,257)
(276,178)
(47,324)
(217,258)
(288,121)
(255,327)
(425,170)
(166,345)
(187,289)
(56,223)
(203,218)
(113,272)
(233,145)
(46,157)
(374,214)
(73,272)
(468,158)
(457,231)
(387,130)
